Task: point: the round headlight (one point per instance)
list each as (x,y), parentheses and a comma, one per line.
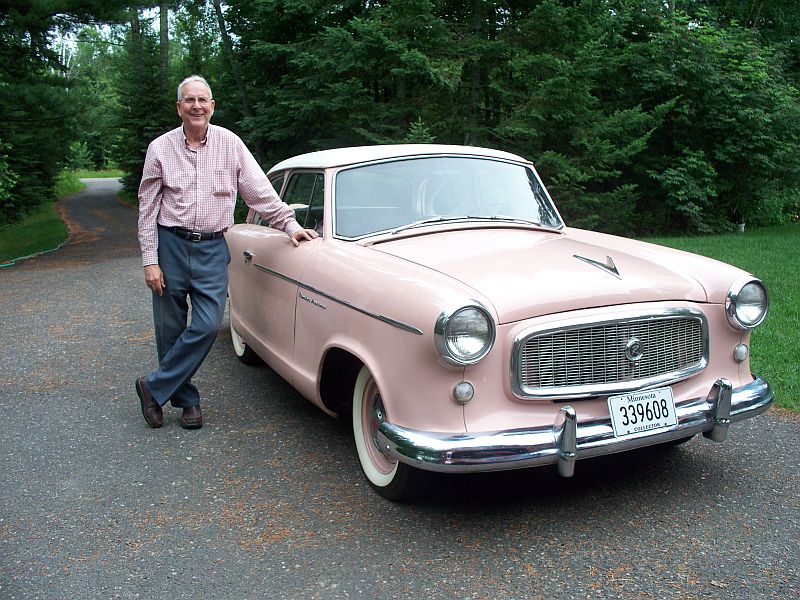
(747,303)
(465,335)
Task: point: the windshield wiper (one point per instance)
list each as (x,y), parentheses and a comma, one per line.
(516,220)
(429,221)
(442,219)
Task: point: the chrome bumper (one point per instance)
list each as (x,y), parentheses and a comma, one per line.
(567,439)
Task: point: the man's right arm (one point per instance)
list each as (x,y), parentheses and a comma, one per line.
(154,279)
(150,190)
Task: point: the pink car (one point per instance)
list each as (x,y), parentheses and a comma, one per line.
(450,312)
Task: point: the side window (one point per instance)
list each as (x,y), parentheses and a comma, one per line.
(277,183)
(304,192)
(317,206)
(299,189)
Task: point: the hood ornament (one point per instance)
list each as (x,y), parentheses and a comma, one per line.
(608,266)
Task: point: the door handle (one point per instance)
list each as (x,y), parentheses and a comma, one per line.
(248,256)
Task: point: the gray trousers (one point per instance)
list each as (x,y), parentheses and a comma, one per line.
(196,272)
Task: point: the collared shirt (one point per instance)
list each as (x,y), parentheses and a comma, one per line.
(196,189)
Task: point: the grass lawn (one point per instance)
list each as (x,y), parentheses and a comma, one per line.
(773,255)
(107,173)
(43,229)
(40,231)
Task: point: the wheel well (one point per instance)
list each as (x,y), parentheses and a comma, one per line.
(339,374)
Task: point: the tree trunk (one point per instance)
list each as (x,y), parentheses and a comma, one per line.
(163,7)
(136,27)
(754,14)
(237,72)
(471,134)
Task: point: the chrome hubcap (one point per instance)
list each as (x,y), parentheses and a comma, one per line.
(376,419)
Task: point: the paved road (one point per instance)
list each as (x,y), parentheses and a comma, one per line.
(266,500)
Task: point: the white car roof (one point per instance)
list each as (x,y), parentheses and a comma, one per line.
(339,157)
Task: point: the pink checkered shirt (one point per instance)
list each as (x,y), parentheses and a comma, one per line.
(196,189)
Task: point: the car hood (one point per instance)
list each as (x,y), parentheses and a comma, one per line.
(526,273)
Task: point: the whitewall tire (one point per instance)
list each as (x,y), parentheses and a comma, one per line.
(391,479)
(242,351)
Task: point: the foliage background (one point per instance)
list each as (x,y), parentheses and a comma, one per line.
(643,116)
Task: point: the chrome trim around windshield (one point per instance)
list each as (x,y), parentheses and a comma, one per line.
(363,311)
(476,156)
(588,390)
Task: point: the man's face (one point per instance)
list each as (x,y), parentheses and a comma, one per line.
(196,106)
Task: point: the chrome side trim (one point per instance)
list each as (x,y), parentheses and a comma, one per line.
(278,275)
(379,317)
(588,390)
(569,439)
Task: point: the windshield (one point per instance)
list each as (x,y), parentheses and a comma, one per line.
(392,195)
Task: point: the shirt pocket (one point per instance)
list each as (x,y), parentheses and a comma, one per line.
(223,184)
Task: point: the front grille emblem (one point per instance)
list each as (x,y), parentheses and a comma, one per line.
(634,349)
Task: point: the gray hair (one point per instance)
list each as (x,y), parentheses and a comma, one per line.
(192,79)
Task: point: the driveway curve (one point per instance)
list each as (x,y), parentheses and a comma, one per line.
(266,500)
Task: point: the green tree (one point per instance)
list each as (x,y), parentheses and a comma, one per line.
(646,120)
(33,115)
(143,112)
(196,39)
(92,93)
(565,105)
(276,39)
(352,73)
(79,156)
(34,92)
(642,116)
(8,178)
(733,130)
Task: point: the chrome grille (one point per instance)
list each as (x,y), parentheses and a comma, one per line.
(583,359)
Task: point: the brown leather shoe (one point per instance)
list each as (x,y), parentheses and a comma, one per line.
(192,417)
(150,408)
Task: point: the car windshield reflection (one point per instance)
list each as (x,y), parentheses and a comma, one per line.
(403,194)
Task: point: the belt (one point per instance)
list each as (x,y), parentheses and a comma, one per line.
(195,236)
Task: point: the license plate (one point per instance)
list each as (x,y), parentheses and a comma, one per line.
(642,411)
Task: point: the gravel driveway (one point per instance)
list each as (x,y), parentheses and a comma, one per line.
(266,501)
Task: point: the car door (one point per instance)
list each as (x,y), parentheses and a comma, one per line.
(274,268)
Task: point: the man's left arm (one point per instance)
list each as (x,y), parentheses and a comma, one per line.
(258,193)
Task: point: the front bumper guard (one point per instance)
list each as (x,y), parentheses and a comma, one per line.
(567,439)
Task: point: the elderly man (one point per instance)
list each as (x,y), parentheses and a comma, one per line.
(186,200)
